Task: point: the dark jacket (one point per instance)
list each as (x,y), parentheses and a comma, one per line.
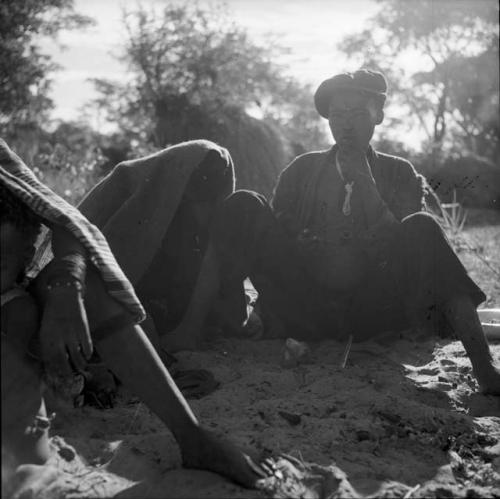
(401,188)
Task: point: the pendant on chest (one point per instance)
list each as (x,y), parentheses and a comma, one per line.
(346,207)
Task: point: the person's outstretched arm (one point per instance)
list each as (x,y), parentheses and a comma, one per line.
(64,332)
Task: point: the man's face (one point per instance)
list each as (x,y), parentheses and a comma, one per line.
(352,119)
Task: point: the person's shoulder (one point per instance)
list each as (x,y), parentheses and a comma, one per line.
(307,160)
(396,166)
(311,156)
(393,160)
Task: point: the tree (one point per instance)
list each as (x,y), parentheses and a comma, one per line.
(24,69)
(452,91)
(196,74)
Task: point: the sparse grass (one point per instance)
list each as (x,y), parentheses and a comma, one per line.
(453,216)
(474,234)
(478,247)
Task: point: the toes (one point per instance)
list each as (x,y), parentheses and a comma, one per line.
(257,469)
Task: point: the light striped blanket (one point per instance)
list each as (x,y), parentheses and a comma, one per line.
(55,211)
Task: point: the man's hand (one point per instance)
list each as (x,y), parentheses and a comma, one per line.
(64,333)
(353,161)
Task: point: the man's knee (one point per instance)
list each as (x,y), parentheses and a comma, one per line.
(239,220)
(243,205)
(422,225)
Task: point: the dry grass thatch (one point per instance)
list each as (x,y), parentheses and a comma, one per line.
(258,149)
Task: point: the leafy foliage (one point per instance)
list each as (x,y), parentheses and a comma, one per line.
(189,59)
(24,69)
(452,91)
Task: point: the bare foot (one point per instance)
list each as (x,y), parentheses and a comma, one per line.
(208,451)
(489,382)
(100,387)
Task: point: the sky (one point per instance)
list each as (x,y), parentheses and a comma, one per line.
(310,28)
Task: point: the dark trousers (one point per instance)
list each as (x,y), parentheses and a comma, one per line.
(414,273)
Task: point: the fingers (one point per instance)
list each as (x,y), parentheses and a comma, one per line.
(83,332)
(86,342)
(76,357)
(258,470)
(269,466)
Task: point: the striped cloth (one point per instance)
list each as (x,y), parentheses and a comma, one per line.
(55,211)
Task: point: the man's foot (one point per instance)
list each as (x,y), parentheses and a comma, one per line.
(100,387)
(253,327)
(463,317)
(489,382)
(210,452)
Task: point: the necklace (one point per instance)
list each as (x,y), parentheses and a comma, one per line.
(346,207)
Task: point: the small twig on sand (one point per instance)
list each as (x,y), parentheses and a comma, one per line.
(411,491)
(346,352)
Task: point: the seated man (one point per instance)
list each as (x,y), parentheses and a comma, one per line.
(83,299)
(348,250)
(376,260)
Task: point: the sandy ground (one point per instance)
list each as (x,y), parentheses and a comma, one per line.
(402,419)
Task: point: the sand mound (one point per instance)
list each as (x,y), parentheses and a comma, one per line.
(403,419)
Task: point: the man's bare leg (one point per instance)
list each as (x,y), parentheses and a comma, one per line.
(189,333)
(132,358)
(24,437)
(463,317)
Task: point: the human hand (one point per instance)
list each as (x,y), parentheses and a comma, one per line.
(64,333)
(353,161)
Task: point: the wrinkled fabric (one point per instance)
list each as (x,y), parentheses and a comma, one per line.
(135,204)
(55,211)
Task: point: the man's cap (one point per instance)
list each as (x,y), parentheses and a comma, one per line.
(364,80)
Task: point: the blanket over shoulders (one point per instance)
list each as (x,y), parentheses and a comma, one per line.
(136,202)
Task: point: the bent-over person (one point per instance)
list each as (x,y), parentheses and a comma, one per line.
(157,214)
(84,301)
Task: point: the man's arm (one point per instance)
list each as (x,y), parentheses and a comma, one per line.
(64,327)
(356,169)
(408,191)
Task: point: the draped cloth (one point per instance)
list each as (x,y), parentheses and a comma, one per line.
(56,212)
(136,203)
